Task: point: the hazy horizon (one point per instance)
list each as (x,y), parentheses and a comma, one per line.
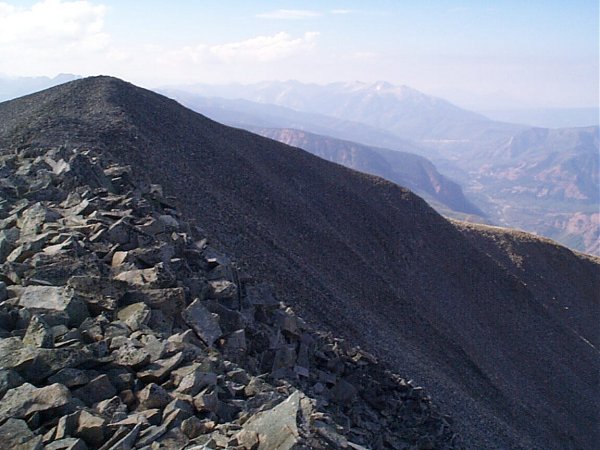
(510,55)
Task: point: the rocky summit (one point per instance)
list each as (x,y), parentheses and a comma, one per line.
(170,281)
(122,328)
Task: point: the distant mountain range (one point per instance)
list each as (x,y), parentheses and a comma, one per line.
(400,110)
(537,179)
(13,87)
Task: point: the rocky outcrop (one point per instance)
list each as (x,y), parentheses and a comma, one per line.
(122,328)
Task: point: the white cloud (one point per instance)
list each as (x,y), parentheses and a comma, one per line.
(289,14)
(48,33)
(264,48)
(257,49)
(51,22)
(341,11)
(59,36)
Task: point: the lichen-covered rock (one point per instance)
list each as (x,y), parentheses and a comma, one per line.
(34,217)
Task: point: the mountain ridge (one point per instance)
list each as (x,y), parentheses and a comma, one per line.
(405,169)
(431,303)
(537,179)
(405,111)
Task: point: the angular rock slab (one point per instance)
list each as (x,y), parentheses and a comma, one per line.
(171,301)
(153,396)
(39,334)
(9,379)
(36,364)
(14,354)
(67,444)
(276,428)
(53,298)
(16,435)
(154,278)
(100,388)
(26,399)
(135,316)
(159,370)
(203,322)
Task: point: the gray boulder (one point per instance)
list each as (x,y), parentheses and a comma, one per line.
(16,435)
(100,388)
(14,354)
(8,239)
(90,428)
(203,322)
(135,316)
(160,370)
(34,217)
(153,396)
(39,334)
(170,301)
(56,299)
(276,428)
(25,400)
(9,379)
(70,377)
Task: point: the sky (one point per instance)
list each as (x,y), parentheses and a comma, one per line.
(480,54)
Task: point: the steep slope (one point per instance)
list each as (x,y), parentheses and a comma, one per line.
(121,325)
(536,179)
(405,169)
(360,256)
(446,197)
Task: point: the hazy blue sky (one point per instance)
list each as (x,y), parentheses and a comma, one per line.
(484,54)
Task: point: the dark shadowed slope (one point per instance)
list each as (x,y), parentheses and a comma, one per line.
(405,169)
(536,179)
(363,257)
